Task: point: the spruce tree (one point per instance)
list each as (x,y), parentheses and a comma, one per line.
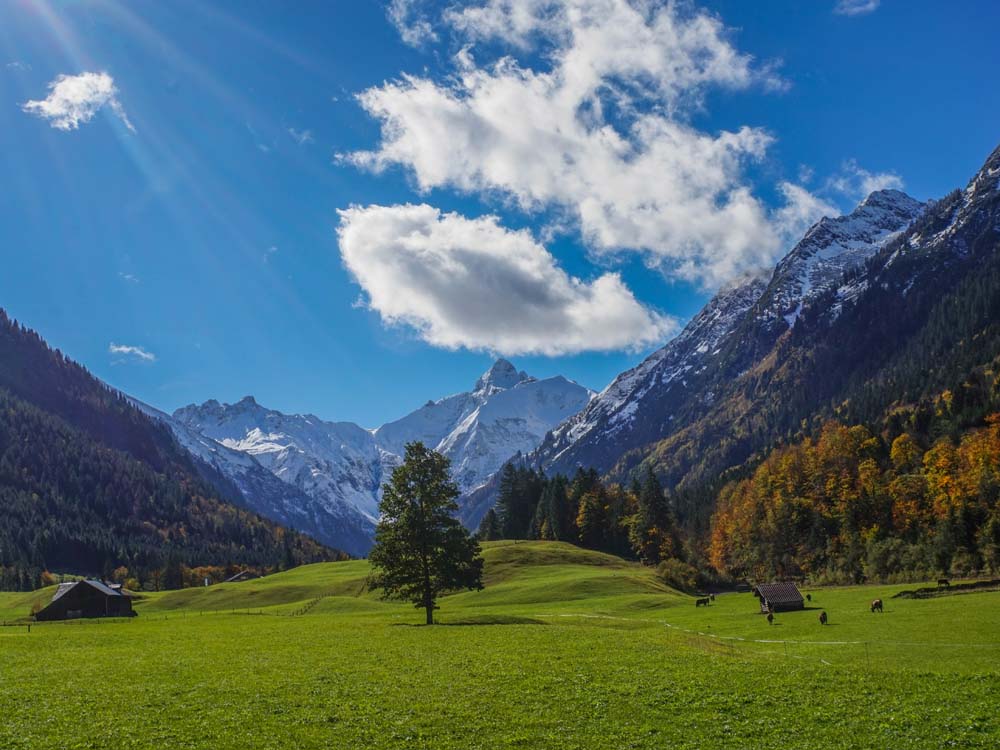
(421,550)
(489,527)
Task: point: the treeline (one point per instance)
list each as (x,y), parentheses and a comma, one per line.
(637,522)
(850,505)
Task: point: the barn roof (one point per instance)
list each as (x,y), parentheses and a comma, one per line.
(779,593)
(64,587)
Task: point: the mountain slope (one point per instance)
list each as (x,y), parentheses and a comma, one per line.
(923,311)
(324,476)
(683,381)
(88,482)
(332,472)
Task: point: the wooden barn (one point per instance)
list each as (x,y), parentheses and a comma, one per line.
(86,599)
(778,597)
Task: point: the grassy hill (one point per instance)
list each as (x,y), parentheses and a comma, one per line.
(564,648)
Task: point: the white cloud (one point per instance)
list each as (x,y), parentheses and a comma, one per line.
(136,353)
(73,100)
(472,283)
(595,127)
(129,277)
(855,7)
(302,137)
(858,183)
(413,26)
(18,65)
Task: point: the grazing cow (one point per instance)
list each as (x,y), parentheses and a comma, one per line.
(703,602)
(822,617)
(944,582)
(770,618)
(877,606)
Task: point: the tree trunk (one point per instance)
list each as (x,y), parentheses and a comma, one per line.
(430,613)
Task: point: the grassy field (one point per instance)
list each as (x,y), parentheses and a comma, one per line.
(563,649)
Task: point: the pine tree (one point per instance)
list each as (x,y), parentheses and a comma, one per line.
(421,550)
(489,527)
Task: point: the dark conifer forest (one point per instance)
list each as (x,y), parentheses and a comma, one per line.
(90,485)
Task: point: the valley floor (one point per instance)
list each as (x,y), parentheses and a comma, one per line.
(563,649)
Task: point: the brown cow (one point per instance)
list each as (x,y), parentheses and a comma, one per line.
(877,606)
(822,617)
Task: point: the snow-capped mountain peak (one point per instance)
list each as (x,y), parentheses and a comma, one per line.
(506,412)
(501,375)
(832,247)
(334,471)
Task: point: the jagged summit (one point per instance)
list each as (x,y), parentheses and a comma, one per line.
(891,200)
(502,374)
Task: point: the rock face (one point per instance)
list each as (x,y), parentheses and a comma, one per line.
(326,477)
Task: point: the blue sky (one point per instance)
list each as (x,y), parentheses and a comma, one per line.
(190,203)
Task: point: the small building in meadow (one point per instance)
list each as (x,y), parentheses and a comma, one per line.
(87,598)
(243,575)
(778,597)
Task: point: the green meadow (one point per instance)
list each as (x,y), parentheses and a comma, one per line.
(564,648)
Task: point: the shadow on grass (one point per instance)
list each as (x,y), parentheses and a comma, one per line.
(478,620)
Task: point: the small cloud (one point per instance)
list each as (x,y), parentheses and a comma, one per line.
(856,7)
(131,353)
(269,252)
(806,174)
(73,100)
(856,182)
(302,137)
(18,65)
(130,278)
(413,26)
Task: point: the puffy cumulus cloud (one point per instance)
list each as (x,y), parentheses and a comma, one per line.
(73,100)
(592,123)
(855,7)
(135,353)
(471,283)
(856,182)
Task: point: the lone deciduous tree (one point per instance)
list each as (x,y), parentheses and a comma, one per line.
(421,549)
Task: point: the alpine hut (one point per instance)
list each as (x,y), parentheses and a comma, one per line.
(87,598)
(778,597)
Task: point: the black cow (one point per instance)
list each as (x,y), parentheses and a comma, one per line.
(822,617)
(703,602)
(877,606)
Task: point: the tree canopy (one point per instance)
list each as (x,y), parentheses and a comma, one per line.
(421,549)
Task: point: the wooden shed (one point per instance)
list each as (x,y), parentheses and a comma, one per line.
(243,575)
(778,597)
(86,599)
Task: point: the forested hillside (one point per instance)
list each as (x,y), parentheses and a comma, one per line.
(89,484)
(917,497)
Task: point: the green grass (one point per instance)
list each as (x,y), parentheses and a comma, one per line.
(563,649)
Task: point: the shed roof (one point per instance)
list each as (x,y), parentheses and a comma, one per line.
(101,587)
(779,593)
